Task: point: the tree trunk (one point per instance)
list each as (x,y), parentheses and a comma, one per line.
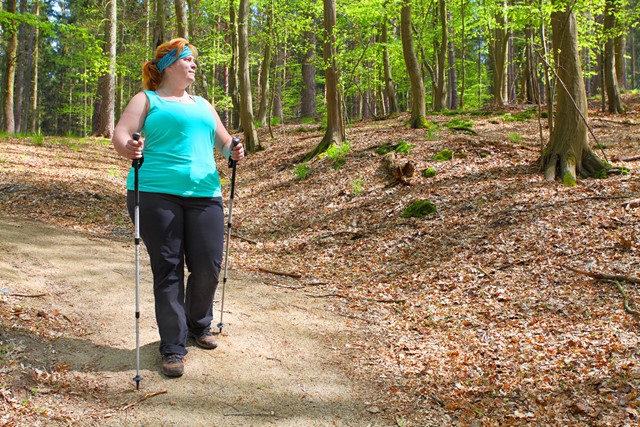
(264,84)
(532,88)
(621,61)
(463,49)
(251,141)
(308,98)
(586,62)
(335,132)
(633,57)
(182,21)
(389,86)
(234,72)
(158,29)
(610,78)
(22,61)
(107,92)
(511,73)
(10,71)
(498,53)
(276,102)
(418,106)
(439,99)
(34,85)
(453,76)
(548,94)
(568,154)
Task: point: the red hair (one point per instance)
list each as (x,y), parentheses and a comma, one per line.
(151,76)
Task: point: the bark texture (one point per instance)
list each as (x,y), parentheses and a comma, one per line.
(614,101)
(251,141)
(418,107)
(10,70)
(568,154)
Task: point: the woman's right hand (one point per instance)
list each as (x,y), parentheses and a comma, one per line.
(134,149)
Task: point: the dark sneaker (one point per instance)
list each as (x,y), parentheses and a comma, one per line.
(205,341)
(172,365)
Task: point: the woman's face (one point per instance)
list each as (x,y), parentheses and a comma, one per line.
(183,69)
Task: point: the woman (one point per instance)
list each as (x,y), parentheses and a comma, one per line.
(181,212)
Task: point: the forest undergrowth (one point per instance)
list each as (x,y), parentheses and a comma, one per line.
(512,304)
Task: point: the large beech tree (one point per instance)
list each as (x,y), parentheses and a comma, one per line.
(610,78)
(108,79)
(568,154)
(498,49)
(251,141)
(11,34)
(418,106)
(335,132)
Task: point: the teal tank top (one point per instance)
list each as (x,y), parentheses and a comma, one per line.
(178,149)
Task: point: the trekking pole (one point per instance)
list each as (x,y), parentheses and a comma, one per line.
(136,167)
(232,165)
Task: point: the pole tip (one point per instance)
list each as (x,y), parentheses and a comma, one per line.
(220,326)
(137,379)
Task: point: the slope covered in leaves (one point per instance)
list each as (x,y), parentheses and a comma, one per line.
(470,313)
(468,316)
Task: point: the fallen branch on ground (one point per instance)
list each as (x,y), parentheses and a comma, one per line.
(142,399)
(251,414)
(237,236)
(382,301)
(619,122)
(28,295)
(615,279)
(280,273)
(560,203)
(301,286)
(354,234)
(603,276)
(630,159)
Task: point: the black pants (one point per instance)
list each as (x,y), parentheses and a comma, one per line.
(177,229)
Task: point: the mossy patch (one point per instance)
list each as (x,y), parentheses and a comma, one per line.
(528,114)
(403,147)
(443,156)
(460,123)
(429,172)
(568,180)
(601,174)
(419,209)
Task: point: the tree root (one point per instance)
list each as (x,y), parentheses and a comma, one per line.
(625,299)
(615,279)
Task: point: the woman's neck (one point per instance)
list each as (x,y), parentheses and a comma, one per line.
(167,90)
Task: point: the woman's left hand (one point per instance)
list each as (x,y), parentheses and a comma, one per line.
(237,153)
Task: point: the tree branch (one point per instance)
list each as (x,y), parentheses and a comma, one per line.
(142,399)
(603,276)
(280,273)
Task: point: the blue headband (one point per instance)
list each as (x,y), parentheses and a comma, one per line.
(171,57)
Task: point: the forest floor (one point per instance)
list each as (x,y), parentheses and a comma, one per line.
(512,304)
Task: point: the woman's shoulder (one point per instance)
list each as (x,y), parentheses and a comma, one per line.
(202,100)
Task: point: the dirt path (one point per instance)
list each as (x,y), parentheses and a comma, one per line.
(280,362)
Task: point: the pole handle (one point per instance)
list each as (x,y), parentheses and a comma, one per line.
(234,142)
(136,163)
